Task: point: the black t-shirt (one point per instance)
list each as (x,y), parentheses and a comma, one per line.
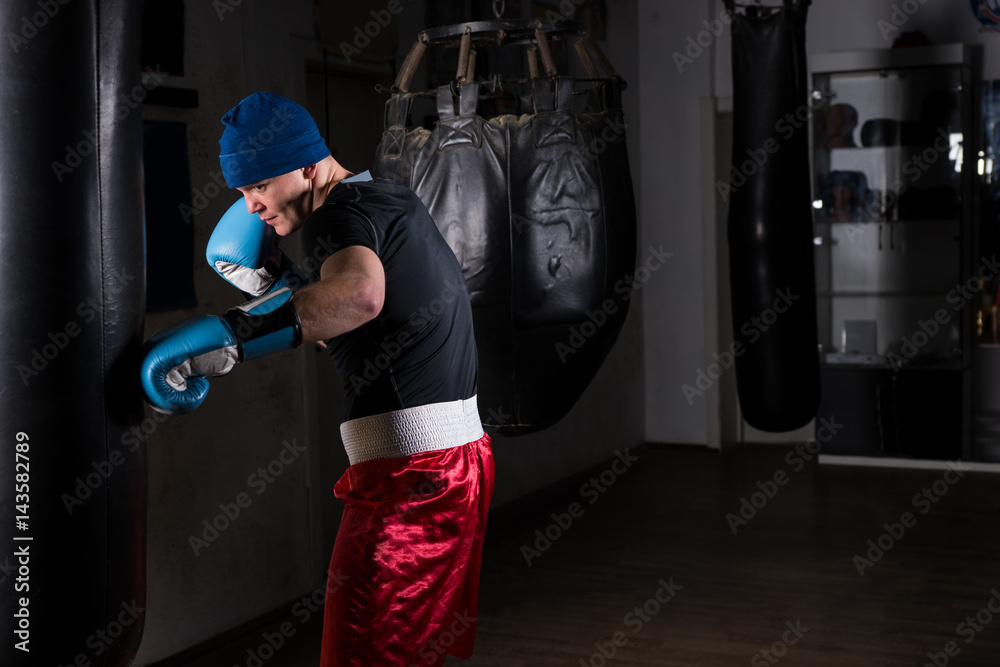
(420,349)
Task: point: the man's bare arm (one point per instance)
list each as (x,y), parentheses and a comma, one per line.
(350,293)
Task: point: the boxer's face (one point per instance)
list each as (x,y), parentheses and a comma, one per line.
(281,201)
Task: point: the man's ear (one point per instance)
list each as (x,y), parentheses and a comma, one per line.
(309,171)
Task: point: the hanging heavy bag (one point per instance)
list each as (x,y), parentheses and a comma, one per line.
(537,205)
(771,253)
(72,465)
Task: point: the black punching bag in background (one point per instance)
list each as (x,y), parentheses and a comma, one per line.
(771,262)
(527,178)
(72,280)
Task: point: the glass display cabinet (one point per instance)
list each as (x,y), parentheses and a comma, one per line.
(899,283)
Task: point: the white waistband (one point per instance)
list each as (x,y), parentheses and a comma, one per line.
(425,428)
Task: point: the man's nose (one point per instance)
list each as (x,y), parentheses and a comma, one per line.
(253,204)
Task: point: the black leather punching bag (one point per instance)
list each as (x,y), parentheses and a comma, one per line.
(72,281)
(537,205)
(772,274)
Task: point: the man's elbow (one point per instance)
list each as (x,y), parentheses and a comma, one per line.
(370,299)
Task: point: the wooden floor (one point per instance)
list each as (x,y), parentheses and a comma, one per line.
(650,571)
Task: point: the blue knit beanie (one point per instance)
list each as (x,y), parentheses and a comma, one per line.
(267,135)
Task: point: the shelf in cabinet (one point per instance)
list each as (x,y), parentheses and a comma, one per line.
(874,60)
(910,221)
(951,366)
(848,149)
(881,294)
(909,163)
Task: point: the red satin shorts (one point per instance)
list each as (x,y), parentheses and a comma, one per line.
(403,582)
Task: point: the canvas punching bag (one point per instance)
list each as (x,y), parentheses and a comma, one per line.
(72,471)
(536,202)
(771,253)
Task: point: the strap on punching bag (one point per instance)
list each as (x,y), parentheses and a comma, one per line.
(397,109)
(466,101)
(771,254)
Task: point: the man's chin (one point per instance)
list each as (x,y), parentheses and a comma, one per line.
(278,226)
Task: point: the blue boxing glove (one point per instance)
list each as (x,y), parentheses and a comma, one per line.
(176,361)
(243,249)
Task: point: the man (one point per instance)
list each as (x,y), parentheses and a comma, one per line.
(391,305)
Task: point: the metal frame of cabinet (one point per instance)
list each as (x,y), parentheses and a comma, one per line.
(895,139)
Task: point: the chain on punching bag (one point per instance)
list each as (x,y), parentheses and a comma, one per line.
(771,253)
(528,180)
(72,282)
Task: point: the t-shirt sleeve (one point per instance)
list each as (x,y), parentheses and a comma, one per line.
(334,228)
